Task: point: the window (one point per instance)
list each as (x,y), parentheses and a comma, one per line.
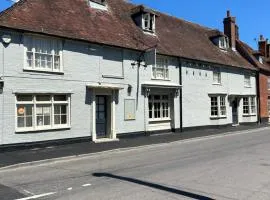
(43,54)
(218,106)
(159,107)
(161,70)
(249,106)
(216,76)
(247,81)
(148,22)
(42,112)
(223,43)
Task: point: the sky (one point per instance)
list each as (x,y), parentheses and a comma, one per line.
(252,16)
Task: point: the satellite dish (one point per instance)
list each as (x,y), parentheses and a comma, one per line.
(6,39)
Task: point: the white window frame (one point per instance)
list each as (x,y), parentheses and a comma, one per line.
(217,76)
(223,43)
(55,42)
(221,106)
(251,104)
(247,81)
(161,101)
(151,22)
(162,63)
(51,103)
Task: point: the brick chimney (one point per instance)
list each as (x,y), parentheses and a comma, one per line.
(263,46)
(231,29)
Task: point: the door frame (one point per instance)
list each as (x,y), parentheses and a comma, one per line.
(111,98)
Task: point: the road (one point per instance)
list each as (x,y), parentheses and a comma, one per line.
(230,167)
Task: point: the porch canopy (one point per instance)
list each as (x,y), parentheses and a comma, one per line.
(161,85)
(104,86)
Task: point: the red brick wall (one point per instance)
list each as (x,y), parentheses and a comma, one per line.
(263,87)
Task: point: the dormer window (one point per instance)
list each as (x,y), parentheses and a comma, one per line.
(144,18)
(148,22)
(223,43)
(98,4)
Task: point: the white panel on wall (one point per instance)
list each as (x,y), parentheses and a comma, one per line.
(112,62)
(130,109)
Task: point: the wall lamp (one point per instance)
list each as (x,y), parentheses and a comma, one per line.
(6,39)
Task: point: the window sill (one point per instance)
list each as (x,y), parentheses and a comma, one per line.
(41,129)
(42,71)
(249,115)
(246,86)
(160,79)
(115,77)
(218,117)
(160,120)
(216,84)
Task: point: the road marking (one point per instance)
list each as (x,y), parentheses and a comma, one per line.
(86,185)
(38,196)
(28,192)
(69,188)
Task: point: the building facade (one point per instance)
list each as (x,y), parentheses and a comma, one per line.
(109,68)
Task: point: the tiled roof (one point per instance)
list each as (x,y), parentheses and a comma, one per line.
(76,20)
(249,53)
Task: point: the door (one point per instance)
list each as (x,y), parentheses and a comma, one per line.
(235,112)
(101,121)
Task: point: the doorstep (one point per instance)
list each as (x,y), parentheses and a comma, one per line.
(104,140)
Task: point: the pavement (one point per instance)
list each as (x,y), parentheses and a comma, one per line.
(224,167)
(18,157)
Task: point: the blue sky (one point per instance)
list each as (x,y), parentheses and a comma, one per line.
(252,16)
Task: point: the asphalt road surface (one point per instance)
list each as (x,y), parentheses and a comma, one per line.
(224,167)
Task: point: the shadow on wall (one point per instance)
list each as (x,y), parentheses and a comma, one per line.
(153,185)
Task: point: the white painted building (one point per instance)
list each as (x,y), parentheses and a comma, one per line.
(100,75)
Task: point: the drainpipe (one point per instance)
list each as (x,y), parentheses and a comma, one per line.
(258,96)
(3,75)
(180,95)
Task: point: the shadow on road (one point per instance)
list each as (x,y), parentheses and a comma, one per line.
(7,193)
(153,185)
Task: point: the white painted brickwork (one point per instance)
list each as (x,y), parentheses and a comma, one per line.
(82,66)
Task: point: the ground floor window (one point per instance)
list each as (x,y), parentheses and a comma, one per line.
(218,106)
(41,112)
(249,106)
(159,107)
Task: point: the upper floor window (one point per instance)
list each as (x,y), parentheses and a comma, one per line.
(148,22)
(223,43)
(216,76)
(247,81)
(43,54)
(161,70)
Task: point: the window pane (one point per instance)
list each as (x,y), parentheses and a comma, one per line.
(47,119)
(20,122)
(63,119)
(43,98)
(56,119)
(29,121)
(39,120)
(57,109)
(60,98)
(24,98)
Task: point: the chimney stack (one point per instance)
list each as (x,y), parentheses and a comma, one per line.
(263,46)
(231,29)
